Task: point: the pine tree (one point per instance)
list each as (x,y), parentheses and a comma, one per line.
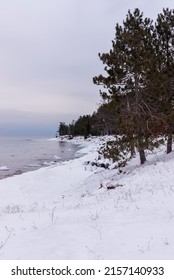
(165,55)
(103,121)
(63,129)
(128,64)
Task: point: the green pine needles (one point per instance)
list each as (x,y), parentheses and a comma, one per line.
(139,84)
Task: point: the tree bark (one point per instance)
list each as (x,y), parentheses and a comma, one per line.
(141,151)
(169,143)
(132,149)
(137,101)
(142,156)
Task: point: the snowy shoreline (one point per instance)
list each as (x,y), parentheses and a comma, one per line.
(67,211)
(21,155)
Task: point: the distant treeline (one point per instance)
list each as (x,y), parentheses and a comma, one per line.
(99,123)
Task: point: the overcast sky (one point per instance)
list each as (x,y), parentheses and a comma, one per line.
(49,54)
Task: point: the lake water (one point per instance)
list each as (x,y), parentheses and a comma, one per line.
(25,154)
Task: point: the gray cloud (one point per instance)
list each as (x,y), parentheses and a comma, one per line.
(22,123)
(48,53)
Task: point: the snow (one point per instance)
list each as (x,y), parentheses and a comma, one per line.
(68,211)
(4,168)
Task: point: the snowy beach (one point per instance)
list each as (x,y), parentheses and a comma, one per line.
(76,210)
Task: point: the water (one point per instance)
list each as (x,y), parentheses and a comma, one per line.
(25,154)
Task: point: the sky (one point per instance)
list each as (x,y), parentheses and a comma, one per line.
(49,55)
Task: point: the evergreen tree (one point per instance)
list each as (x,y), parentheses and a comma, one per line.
(103,121)
(165,70)
(63,129)
(82,126)
(128,64)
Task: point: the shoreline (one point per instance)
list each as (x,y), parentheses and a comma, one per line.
(67,211)
(8,170)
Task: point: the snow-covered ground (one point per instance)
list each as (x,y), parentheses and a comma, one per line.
(66,211)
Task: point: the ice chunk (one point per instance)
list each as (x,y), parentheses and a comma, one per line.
(4,168)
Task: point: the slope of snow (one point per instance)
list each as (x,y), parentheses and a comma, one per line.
(66,211)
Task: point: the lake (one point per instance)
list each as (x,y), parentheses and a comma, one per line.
(18,155)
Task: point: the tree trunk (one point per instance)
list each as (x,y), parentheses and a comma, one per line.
(132,149)
(141,151)
(169,143)
(139,129)
(142,156)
